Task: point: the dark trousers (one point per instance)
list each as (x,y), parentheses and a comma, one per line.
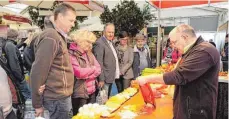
(122,84)
(225,65)
(11,115)
(79,102)
(59,109)
(108,87)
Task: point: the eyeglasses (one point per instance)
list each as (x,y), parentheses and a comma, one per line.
(174,42)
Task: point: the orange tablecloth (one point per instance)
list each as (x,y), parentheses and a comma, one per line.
(163,110)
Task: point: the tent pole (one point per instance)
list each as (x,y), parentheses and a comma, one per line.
(159,36)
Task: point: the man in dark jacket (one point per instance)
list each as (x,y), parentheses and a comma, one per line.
(15,62)
(52,66)
(195,78)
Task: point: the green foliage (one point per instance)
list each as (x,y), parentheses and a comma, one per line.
(39,20)
(127,16)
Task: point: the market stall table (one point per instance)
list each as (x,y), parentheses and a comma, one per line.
(164,107)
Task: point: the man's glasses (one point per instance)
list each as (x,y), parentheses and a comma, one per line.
(174,42)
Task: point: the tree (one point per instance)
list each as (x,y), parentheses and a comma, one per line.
(39,20)
(127,16)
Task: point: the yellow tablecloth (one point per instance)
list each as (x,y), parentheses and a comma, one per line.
(163,110)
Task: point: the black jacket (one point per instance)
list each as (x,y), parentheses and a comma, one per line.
(196,81)
(28,55)
(14,59)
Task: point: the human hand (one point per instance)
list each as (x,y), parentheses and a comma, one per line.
(121,74)
(141,80)
(223,54)
(39,111)
(134,84)
(101,83)
(41,89)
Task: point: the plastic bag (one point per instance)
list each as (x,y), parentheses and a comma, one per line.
(102,96)
(30,111)
(149,99)
(148,94)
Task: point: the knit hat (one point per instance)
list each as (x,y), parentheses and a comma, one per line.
(139,37)
(11,33)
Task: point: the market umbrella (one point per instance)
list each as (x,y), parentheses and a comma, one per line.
(162,4)
(9,17)
(79,5)
(12,19)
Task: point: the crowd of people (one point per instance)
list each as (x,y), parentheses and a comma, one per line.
(66,75)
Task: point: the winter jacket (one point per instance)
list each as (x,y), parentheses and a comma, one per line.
(86,68)
(196,81)
(14,59)
(28,55)
(51,67)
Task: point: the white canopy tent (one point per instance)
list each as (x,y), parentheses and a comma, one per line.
(94,27)
(83,7)
(15,20)
(169,10)
(175,16)
(92,24)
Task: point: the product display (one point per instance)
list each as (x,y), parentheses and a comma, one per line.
(96,111)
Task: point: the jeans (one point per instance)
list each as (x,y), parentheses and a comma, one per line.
(107,88)
(24,89)
(225,65)
(79,102)
(58,109)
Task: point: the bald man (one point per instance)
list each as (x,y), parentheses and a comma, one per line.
(195,76)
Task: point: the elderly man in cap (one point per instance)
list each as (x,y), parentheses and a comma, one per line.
(15,63)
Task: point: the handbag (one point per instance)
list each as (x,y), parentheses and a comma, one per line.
(102,96)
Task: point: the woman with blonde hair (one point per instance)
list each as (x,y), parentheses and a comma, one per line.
(86,68)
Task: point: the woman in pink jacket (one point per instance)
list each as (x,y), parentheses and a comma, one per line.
(86,68)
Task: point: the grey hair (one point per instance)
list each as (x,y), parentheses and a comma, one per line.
(11,33)
(108,24)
